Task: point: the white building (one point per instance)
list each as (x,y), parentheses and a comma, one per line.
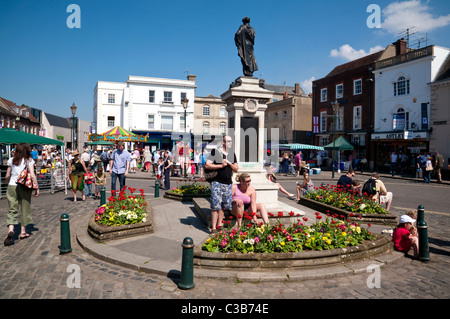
(402,100)
(145,105)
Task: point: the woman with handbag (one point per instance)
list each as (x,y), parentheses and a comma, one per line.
(76,171)
(20,169)
(428,170)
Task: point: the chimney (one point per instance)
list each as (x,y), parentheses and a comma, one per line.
(191,77)
(400,46)
(297,89)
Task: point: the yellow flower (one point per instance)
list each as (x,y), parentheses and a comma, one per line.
(344,233)
(329,242)
(282,243)
(111,218)
(358,229)
(324,238)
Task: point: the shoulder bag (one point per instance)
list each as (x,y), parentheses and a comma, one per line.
(25,178)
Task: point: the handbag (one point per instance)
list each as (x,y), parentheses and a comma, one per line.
(429,167)
(210,175)
(25,178)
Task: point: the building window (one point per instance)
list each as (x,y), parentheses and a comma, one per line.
(111,120)
(357,139)
(401,87)
(340,119)
(323,121)
(205,128)
(323,140)
(223,111)
(323,95)
(400,120)
(339,91)
(357,87)
(357,117)
(284,114)
(205,110)
(223,127)
(151,122)
(182,95)
(167,123)
(275,117)
(111,98)
(168,97)
(151,96)
(182,122)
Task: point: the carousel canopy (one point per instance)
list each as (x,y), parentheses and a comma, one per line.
(117,134)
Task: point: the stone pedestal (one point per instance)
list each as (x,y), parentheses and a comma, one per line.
(246,102)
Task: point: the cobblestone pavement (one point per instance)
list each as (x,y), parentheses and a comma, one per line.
(34,269)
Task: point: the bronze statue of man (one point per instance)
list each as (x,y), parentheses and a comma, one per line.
(244,40)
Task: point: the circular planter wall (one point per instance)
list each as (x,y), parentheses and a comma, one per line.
(305,259)
(184,197)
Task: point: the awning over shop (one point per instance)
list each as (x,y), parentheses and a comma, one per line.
(297,146)
(13,136)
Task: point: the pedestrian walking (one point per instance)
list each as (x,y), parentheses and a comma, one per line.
(394,158)
(147,160)
(76,171)
(19,196)
(438,165)
(119,166)
(428,170)
(167,165)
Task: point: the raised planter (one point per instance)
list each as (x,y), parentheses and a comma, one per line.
(184,197)
(102,232)
(366,218)
(304,259)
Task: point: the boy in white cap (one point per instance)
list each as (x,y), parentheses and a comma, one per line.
(404,236)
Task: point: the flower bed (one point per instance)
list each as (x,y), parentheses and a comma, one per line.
(347,201)
(123,215)
(261,238)
(188,190)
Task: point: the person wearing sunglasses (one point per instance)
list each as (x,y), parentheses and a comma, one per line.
(244,200)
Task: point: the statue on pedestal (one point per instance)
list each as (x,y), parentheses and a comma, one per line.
(244,40)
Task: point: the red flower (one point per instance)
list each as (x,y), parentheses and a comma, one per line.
(291,214)
(305,219)
(318,217)
(280,214)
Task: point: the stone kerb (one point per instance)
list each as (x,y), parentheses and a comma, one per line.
(102,232)
(296,260)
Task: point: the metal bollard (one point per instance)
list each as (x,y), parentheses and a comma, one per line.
(422,229)
(156,188)
(65,234)
(187,265)
(102,195)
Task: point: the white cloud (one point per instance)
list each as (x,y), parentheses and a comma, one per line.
(348,53)
(398,16)
(306,85)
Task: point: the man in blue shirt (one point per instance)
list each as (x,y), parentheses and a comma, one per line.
(345,182)
(119,165)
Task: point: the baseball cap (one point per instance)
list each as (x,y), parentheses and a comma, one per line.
(406,219)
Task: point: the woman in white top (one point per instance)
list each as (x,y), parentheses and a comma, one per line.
(305,187)
(19,196)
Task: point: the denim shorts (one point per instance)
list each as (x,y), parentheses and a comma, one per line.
(221,196)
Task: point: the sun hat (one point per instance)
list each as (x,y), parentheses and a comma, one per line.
(406,219)
(74,153)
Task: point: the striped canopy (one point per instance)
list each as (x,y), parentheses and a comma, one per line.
(119,131)
(296,146)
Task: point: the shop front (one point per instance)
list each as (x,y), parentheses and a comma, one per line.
(409,143)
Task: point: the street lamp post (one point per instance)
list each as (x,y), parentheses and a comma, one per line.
(185,102)
(335,110)
(73,108)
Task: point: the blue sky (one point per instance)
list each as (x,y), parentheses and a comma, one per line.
(46,64)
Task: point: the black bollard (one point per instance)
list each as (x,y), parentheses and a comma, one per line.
(422,229)
(156,188)
(102,195)
(187,265)
(65,234)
